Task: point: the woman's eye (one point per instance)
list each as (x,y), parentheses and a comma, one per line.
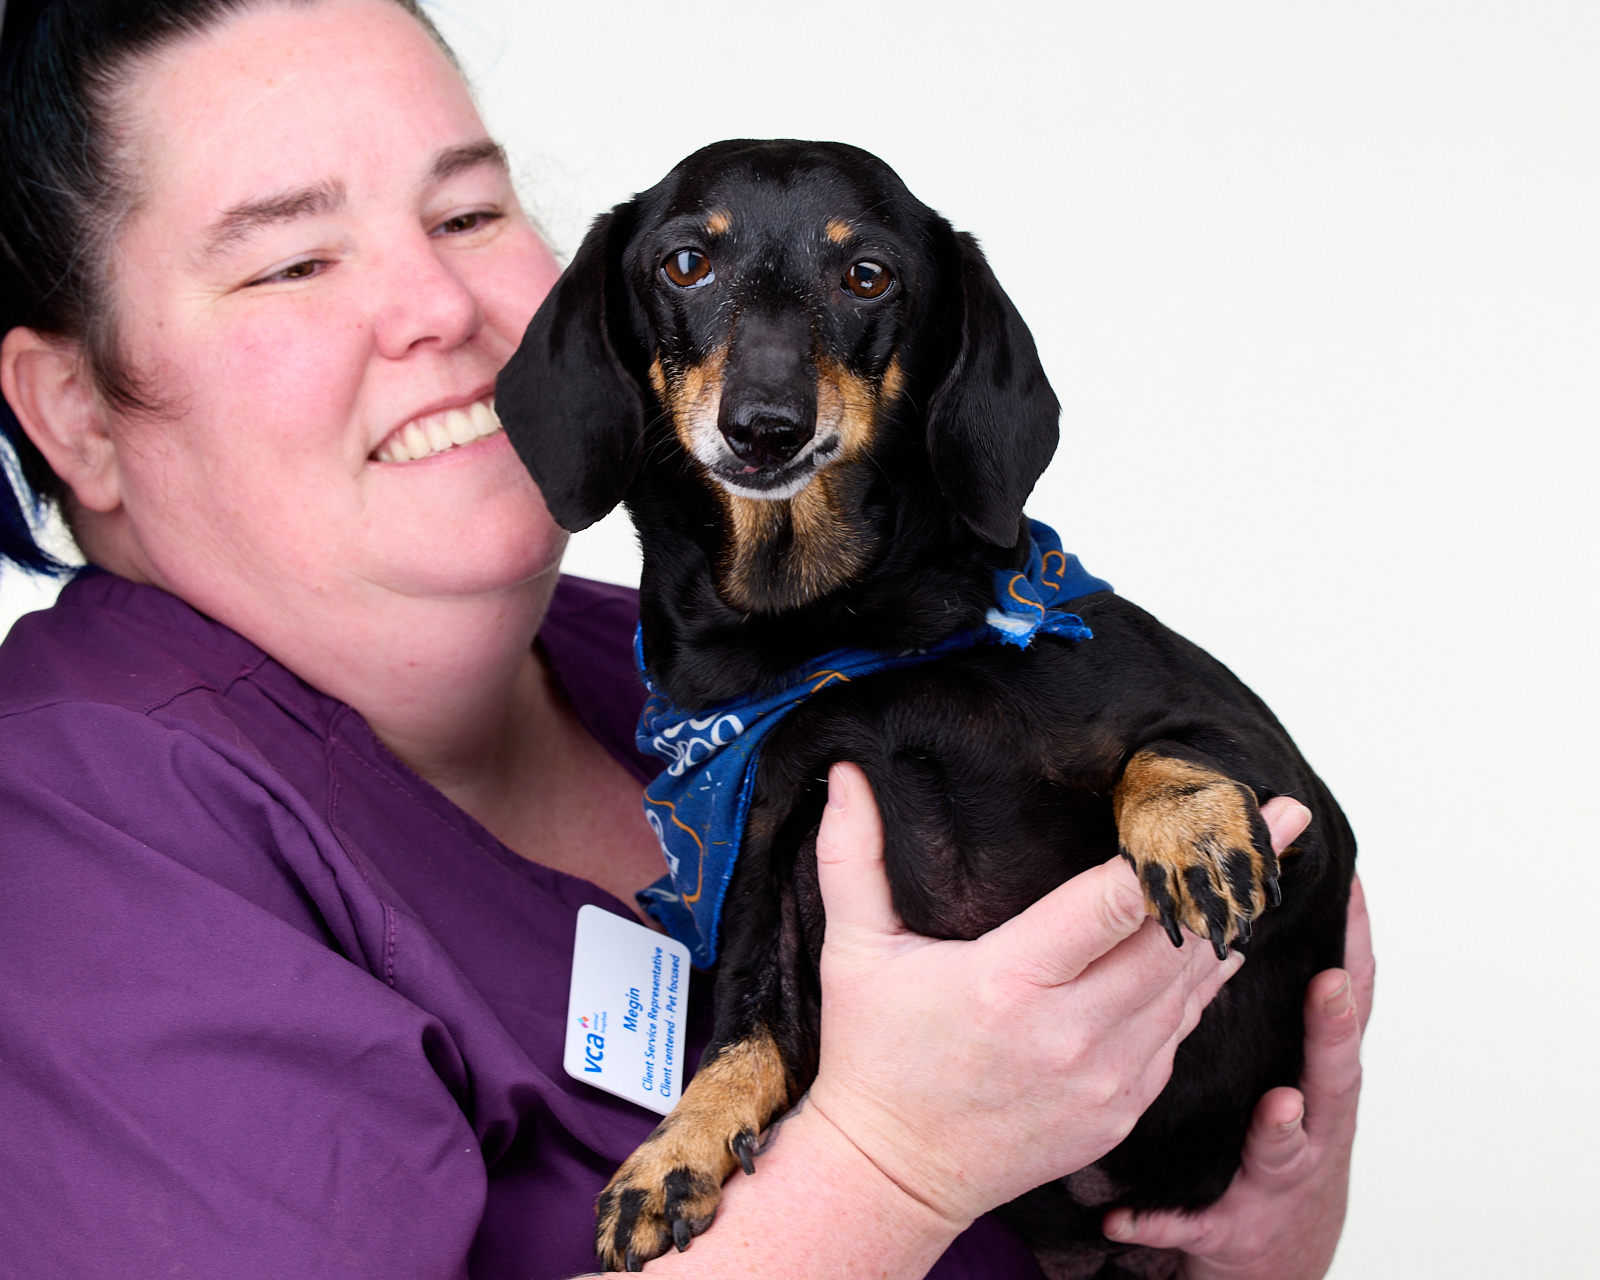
(302,270)
(688,269)
(464,222)
(867,280)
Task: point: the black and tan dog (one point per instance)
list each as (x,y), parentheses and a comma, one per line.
(824,416)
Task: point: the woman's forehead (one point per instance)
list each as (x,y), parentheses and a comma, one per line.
(292,98)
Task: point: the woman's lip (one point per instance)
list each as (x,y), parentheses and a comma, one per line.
(444,405)
(438,431)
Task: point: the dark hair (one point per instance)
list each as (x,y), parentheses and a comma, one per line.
(63,197)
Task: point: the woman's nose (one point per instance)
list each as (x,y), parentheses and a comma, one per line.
(423,301)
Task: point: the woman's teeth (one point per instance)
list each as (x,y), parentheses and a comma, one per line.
(438,432)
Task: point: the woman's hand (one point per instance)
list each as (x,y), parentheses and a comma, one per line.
(1281,1217)
(969,1072)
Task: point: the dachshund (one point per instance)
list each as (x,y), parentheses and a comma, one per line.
(824,416)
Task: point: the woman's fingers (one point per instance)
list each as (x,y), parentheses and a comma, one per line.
(1161,1230)
(1071,927)
(1358,957)
(1286,818)
(1338,1003)
(850,872)
(1331,1078)
(1196,990)
(1277,1137)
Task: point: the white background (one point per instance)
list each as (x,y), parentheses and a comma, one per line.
(1317,286)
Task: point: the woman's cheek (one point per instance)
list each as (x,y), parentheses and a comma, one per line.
(509,297)
(292,375)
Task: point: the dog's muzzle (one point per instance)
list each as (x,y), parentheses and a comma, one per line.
(768,410)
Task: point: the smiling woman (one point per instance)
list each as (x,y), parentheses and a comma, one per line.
(303,779)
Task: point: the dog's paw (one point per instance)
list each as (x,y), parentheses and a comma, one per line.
(1202,851)
(667,1191)
(664,1194)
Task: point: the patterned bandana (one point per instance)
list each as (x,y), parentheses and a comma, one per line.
(698,806)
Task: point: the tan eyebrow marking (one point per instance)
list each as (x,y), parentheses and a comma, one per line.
(838,231)
(241,221)
(454,160)
(718,222)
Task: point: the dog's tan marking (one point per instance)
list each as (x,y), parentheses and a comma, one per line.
(679,1170)
(838,231)
(1185,827)
(718,221)
(894,381)
(691,395)
(786,553)
(852,405)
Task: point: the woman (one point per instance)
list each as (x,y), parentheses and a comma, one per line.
(297,815)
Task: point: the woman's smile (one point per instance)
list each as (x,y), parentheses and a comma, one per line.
(434,433)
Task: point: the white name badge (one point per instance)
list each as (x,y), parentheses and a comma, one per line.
(628,1010)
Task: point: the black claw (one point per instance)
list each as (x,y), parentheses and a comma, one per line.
(1274,893)
(681,1234)
(1170,924)
(631,1262)
(744,1146)
(1217,943)
(1244,930)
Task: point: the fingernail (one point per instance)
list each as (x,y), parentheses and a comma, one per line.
(1118,1225)
(835,789)
(1289,1126)
(1341,1001)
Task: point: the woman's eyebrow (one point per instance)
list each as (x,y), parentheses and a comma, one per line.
(453,160)
(242,220)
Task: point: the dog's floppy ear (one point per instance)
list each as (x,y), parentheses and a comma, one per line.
(993,422)
(572,410)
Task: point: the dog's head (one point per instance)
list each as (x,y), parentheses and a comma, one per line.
(812,339)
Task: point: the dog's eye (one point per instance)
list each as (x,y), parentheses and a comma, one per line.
(867,280)
(688,268)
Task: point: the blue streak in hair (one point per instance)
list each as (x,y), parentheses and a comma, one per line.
(20,507)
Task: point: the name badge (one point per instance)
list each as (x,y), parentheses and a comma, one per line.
(627,1010)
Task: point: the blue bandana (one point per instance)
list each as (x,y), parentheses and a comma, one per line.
(699,804)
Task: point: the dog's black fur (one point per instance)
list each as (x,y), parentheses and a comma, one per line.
(715,342)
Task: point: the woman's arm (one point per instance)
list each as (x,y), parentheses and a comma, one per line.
(954,1075)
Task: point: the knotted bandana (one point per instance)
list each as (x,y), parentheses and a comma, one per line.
(698,806)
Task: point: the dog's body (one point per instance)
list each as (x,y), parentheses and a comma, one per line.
(825,416)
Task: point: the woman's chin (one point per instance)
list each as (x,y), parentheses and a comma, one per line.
(486,559)
(482,527)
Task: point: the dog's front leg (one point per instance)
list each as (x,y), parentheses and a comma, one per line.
(762,1056)
(1197,840)
(667,1191)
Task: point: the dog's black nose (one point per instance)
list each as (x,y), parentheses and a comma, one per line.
(764,435)
(769,389)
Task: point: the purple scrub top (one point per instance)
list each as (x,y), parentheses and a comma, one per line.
(270,1004)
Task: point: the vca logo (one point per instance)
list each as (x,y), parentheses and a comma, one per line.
(594,1043)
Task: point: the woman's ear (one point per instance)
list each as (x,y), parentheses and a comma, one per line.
(47,383)
(570,407)
(993,422)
